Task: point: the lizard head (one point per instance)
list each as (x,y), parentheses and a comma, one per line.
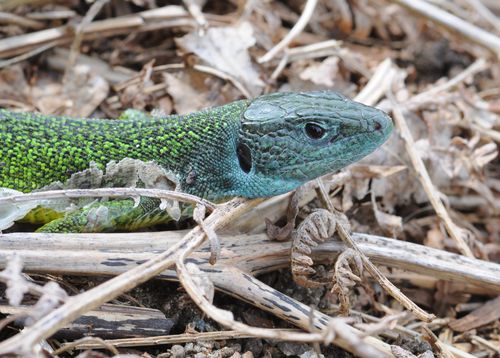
(287,139)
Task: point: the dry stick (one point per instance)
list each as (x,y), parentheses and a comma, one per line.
(150,20)
(195,11)
(75,46)
(296,29)
(336,331)
(378,84)
(24,342)
(8,18)
(453,23)
(26,55)
(170,339)
(493,134)
(485,13)
(99,343)
(108,192)
(439,347)
(477,66)
(424,179)
(318,49)
(88,254)
(86,343)
(371,268)
(179,66)
(486,344)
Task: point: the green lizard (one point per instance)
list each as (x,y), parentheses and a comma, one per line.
(249,148)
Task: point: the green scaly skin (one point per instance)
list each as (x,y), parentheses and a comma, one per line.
(249,148)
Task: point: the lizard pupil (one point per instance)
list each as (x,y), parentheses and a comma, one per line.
(244,157)
(314,131)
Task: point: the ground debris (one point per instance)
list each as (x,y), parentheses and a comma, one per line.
(441,83)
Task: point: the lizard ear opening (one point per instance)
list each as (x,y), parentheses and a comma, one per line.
(244,157)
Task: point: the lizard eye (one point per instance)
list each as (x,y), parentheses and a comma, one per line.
(244,157)
(314,131)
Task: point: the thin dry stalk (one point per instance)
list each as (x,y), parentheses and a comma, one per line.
(99,343)
(380,81)
(430,95)
(296,29)
(77,41)
(485,13)
(27,55)
(157,340)
(195,11)
(109,193)
(453,23)
(457,234)
(337,331)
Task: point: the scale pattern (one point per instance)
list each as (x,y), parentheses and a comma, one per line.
(39,149)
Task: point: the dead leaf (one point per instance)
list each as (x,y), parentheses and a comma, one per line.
(323,73)
(186,98)
(226,49)
(392,224)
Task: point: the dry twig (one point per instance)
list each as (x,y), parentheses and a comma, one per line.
(459,235)
(296,29)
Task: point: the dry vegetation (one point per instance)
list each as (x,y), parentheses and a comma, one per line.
(422,281)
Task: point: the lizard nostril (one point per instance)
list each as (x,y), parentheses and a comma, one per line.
(378,126)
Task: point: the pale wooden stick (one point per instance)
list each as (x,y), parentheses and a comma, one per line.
(107,192)
(88,254)
(296,29)
(485,13)
(378,84)
(455,231)
(195,11)
(454,23)
(77,40)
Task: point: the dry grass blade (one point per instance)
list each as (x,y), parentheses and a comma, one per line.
(460,235)
(464,28)
(75,45)
(296,29)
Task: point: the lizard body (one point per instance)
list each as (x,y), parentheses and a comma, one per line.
(249,148)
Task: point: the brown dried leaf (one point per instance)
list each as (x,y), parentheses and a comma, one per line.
(226,49)
(323,73)
(487,313)
(187,98)
(81,94)
(376,171)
